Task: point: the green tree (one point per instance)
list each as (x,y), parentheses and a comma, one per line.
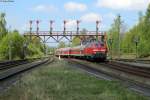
(3,30)
(77,40)
(14,42)
(61,44)
(34,48)
(34,51)
(146,32)
(142,31)
(16,46)
(114,35)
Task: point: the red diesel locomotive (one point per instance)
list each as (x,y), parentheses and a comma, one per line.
(96,50)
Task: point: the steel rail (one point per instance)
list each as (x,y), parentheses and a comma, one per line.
(143,61)
(14,63)
(21,68)
(139,71)
(134,85)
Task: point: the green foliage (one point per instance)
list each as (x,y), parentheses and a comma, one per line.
(114,34)
(34,50)
(142,31)
(35,47)
(61,44)
(14,42)
(75,41)
(51,50)
(3,30)
(15,46)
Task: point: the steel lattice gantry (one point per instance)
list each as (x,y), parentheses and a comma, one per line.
(58,36)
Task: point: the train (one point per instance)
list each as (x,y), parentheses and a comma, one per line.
(93,50)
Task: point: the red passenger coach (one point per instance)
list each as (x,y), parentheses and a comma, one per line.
(95,50)
(77,51)
(63,52)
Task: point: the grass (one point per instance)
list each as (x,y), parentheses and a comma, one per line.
(58,81)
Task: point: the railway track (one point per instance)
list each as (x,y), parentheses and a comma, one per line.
(11,68)
(13,63)
(10,64)
(127,68)
(137,79)
(10,74)
(143,61)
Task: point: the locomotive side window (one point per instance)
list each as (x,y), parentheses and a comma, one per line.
(92,45)
(88,45)
(102,44)
(97,45)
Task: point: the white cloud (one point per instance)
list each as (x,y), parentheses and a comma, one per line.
(44,8)
(91,17)
(73,6)
(110,16)
(123,4)
(71,23)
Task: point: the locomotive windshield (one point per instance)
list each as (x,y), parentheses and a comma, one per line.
(99,44)
(95,44)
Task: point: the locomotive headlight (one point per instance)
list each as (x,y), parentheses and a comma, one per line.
(102,50)
(95,50)
(99,50)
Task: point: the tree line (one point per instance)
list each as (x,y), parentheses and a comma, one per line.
(134,41)
(13,45)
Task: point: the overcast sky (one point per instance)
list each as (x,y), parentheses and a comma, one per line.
(88,11)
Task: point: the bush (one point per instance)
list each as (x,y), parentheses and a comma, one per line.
(13,41)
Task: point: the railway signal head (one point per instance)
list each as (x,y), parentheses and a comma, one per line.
(37,21)
(31,21)
(78,21)
(52,21)
(65,21)
(97,22)
(136,39)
